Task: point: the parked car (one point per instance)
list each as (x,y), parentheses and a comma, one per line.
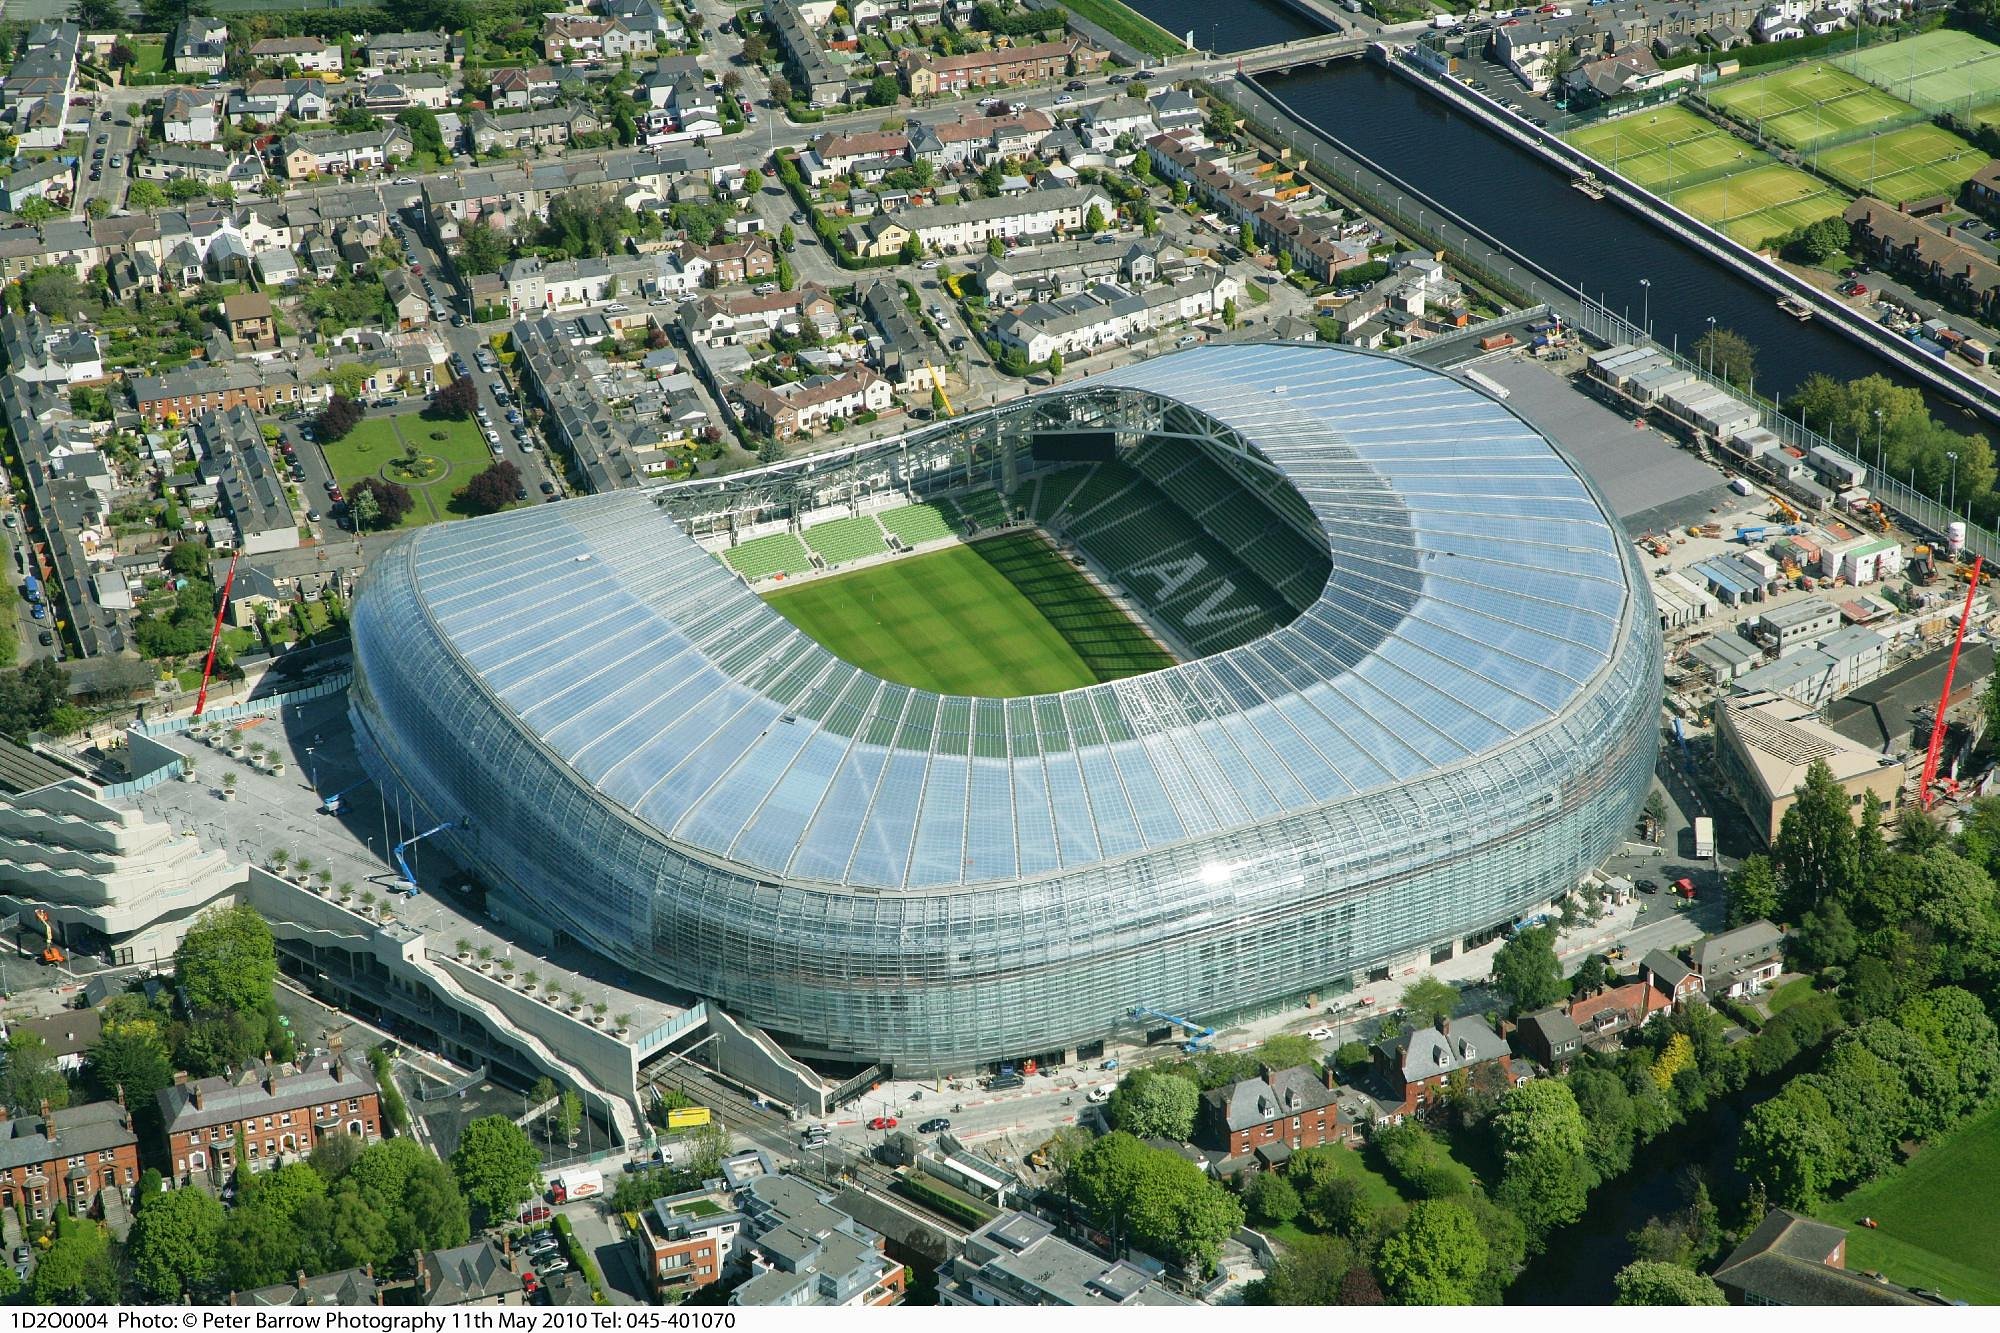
(879,1122)
(1321,1033)
(45,638)
(530,1216)
(1100,1094)
(548,488)
(935,1125)
(1064,99)
(1074,85)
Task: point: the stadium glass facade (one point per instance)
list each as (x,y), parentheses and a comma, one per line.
(655,763)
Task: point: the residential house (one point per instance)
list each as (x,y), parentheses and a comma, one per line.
(535,285)
(815,76)
(1742,961)
(38,350)
(394,92)
(955,228)
(804,1251)
(1103,124)
(926,74)
(171,162)
(412,306)
(271,99)
(351,1287)
(249,317)
(480,1273)
(1018,1260)
(1040,272)
(191,116)
(1107,314)
(808,405)
(309,55)
(646,15)
(37,180)
(1892,239)
(521,89)
(410,50)
(63,1159)
(282,1112)
(1549,1037)
(326,152)
(1320,244)
(66,1034)
(1790,1259)
(198,46)
(1293,1108)
(1414,1068)
(1175,110)
(238,462)
(549,127)
(748,260)
(977,140)
(906,354)
(689,1241)
(1531,47)
(35,95)
(1672,981)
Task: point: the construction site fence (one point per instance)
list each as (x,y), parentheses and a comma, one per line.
(264,707)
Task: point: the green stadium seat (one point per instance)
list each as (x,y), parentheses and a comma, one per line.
(845,540)
(985,507)
(767,557)
(914,524)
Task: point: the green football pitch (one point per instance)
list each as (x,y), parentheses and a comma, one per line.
(1934,1218)
(997,618)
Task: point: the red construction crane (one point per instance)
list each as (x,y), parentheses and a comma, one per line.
(1944,696)
(215,635)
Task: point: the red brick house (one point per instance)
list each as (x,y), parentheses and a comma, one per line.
(66,1158)
(1674,981)
(736,261)
(1294,1107)
(1415,1067)
(282,1111)
(1551,1037)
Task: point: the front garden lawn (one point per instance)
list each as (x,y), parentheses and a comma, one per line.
(380,440)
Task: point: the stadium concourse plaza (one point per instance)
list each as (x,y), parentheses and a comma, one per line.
(1272,669)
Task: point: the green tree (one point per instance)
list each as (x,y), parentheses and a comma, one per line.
(1953,1027)
(1427,999)
(496,1166)
(1728,355)
(1814,852)
(70,1272)
(1229,313)
(1753,890)
(1310,1271)
(36,209)
(1527,972)
(1289,1050)
(996,247)
(1650,1283)
(144,195)
(227,962)
(913,249)
(883,90)
(1825,240)
(425,136)
(1055,363)
(1149,1105)
(172,1248)
(787,238)
(54,291)
(1271,1199)
(130,1060)
(787,278)
(1093,221)
(938,405)
(481,248)
(1436,1257)
(1543,1141)
(1793,1146)
(189,559)
(29,1079)
(416,1195)
(97,15)
(1246,238)
(1156,1199)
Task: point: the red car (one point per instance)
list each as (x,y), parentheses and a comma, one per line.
(417,269)
(529,1216)
(882,1122)
(1854,289)
(530,1283)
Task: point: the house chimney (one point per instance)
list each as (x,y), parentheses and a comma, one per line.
(300,1280)
(180,1076)
(194,1095)
(1444,1025)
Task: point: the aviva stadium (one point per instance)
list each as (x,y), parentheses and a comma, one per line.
(1197,687)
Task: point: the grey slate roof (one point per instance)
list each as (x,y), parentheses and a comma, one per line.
(91,1128)
(1428,1051)
(227,1100)
(468,1273)
(1258,1101)
(1783,1262)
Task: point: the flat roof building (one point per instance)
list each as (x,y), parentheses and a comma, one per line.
(1766,742)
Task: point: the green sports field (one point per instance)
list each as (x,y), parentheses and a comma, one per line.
(997,618)
(1915,162)
(1941,70)
(1934,1218)
(1761,203)
(1810,104)
(1663,147)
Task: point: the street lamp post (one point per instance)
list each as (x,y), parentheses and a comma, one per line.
(1951,501)
(1878,439)
(1646,306)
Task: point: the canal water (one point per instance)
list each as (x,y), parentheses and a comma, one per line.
(1230,25)
(1597,247)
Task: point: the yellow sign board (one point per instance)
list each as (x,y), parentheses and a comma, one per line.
(688,1117)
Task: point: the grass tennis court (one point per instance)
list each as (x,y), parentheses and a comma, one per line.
(1941,70)
(998,618)
(1761,203)
(1934,1218)
(1915,162)
(1809,104)
(1661,147)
